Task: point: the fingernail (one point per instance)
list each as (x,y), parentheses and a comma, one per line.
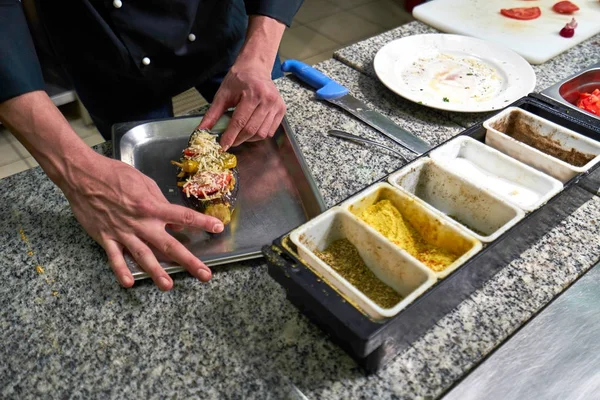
(204,275)
(164,282)
(126,281)
(218,228)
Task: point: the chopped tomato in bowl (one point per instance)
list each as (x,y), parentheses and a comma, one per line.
(590,102)
(522,13)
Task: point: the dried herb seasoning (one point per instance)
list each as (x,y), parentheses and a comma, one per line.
(344,258)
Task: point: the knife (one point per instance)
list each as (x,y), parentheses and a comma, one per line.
(333,92)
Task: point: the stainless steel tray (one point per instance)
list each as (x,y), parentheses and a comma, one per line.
(566,92)
(277,191)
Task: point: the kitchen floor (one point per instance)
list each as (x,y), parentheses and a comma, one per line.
(320,28)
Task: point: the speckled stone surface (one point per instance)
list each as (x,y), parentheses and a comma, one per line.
(361,55)
(330,157)
(72,332)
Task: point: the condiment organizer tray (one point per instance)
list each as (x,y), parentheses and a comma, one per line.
(482,213)
(502,175)
(541,143)
(431,225)
(402,273)
(515,224)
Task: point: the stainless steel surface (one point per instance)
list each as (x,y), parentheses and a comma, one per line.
(382,124)
(567,91)
(59,95)
(358,139)
(277,192)
(555,356)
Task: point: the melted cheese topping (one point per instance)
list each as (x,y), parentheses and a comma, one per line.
(204,180)
(208,153)
(211,171)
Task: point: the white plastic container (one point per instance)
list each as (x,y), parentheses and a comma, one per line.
(483,214)
(502,175)
(394,268)
(497,138)
(433,226)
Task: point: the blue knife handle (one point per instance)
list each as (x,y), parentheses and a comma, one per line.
(327,88)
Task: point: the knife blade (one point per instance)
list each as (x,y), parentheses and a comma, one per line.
(329,90)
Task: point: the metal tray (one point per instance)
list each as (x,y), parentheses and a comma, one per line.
(374,343)
(277,191)
(566,92)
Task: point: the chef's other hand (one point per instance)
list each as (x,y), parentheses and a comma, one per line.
(117,205)
(121,208)
(248,87)
(259,108)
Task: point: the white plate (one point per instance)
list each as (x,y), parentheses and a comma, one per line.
(454,72)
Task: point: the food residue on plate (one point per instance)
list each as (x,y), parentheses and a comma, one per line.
(389,221)
(457,79)
(344,258)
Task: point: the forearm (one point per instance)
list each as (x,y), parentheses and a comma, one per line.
(262,42)
(47,135)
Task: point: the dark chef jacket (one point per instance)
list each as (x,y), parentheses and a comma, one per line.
(103,44)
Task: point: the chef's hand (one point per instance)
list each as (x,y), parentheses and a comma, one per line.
(248,87)
(259,108)
(116,204)
(121,208)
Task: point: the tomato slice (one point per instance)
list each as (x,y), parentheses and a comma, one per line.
(189,152)
(565,7)
(522,13)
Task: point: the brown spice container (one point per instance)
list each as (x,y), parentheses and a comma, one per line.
(517,126)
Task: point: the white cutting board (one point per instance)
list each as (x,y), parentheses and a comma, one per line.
(536,40)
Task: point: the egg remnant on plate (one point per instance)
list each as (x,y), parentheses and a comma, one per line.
(445,77)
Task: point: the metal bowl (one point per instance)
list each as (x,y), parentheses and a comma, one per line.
(567,91)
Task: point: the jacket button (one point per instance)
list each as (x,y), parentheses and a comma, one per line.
(146,61)
(191,37)
(117,3)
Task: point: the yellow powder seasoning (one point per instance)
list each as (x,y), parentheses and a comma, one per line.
(389,221)
(23,237)
(38,268)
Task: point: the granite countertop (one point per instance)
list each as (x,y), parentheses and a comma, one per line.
(360,56)
(72,331)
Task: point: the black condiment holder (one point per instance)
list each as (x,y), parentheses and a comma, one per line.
(373,344)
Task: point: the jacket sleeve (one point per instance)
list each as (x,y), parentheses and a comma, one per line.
(20,70)
(281,10)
